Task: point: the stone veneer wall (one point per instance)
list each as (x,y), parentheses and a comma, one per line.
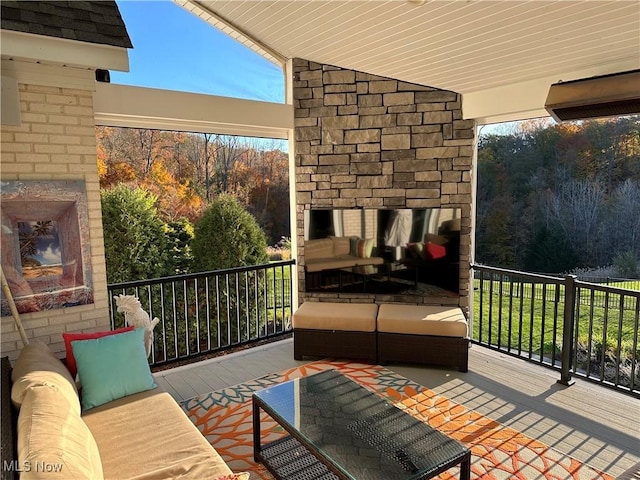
(367,141)
(57,141)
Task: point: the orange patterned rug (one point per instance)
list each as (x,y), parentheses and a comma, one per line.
(498,452)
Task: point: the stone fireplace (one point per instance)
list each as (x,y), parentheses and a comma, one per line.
(364,141)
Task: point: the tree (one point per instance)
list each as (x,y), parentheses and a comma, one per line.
(176,199)
(179,237)
(623,218)
(577,210)
(550,252)
(134,235)
(261,184)
(227,236)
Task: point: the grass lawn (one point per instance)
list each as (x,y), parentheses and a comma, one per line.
(522,316)
(278,291)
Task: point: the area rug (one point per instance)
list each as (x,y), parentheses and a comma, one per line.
(498,452)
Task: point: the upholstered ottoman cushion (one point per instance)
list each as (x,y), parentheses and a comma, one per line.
(353,317)
(422,320)
(338,330)
(431,335)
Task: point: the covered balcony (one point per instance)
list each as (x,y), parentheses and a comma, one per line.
(383,101)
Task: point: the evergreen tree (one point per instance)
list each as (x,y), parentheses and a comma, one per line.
(227,236)
(550,252)
(179,236)
(134,236)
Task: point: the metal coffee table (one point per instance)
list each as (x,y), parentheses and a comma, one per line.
(337,429)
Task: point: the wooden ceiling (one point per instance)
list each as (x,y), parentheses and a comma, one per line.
(501,55)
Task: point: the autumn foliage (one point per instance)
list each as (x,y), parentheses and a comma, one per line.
(186,172)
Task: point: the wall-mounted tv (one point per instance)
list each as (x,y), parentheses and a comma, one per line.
(407,251)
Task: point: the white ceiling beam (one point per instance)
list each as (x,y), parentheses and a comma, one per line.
(523,100)
(61,51)
(137,107)
(49,75)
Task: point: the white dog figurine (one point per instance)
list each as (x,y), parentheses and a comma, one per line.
(135,316)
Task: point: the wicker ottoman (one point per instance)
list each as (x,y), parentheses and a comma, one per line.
(426,334)
(338,330)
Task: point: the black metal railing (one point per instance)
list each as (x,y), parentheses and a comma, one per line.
(576,327)
(629,284)
(206,312)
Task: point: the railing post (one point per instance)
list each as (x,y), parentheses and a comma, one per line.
(567,329)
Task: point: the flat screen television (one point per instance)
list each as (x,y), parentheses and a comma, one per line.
(407,251)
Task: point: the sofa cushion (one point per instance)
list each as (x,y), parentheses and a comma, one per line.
(72,337)
(148,436)
(53,441)
(416,249)
(353,317)
(362,248)
(344,261)
(319,248)
(329,264)
(341,245)
(422,320)
(437,239)
(36,365)
(369,261)
(112,367)
(433,251)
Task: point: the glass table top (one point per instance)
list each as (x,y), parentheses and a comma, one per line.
(359,432)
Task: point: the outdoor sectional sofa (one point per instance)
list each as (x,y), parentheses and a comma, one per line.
(427,334)
(143,436)
(333,253)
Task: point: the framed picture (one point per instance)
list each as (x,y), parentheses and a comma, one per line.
(46,254)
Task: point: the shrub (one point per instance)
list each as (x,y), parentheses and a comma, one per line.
(627,265)
(280,251)
(227,236)
(134,236)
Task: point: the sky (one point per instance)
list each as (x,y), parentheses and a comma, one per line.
(47,246)
(175,50)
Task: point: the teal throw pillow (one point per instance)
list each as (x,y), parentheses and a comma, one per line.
(112,367)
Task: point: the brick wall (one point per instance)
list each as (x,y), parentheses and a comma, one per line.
(367,141)
(55,141)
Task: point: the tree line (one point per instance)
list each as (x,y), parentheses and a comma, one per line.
(558,197)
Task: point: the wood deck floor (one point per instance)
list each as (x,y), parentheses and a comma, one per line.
(595,425)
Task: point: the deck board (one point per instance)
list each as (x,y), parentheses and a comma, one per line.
(594,424)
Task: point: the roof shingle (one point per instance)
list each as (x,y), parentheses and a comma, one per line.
(94,22)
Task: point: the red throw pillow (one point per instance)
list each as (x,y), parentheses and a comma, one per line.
(72,337)
(435,251)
